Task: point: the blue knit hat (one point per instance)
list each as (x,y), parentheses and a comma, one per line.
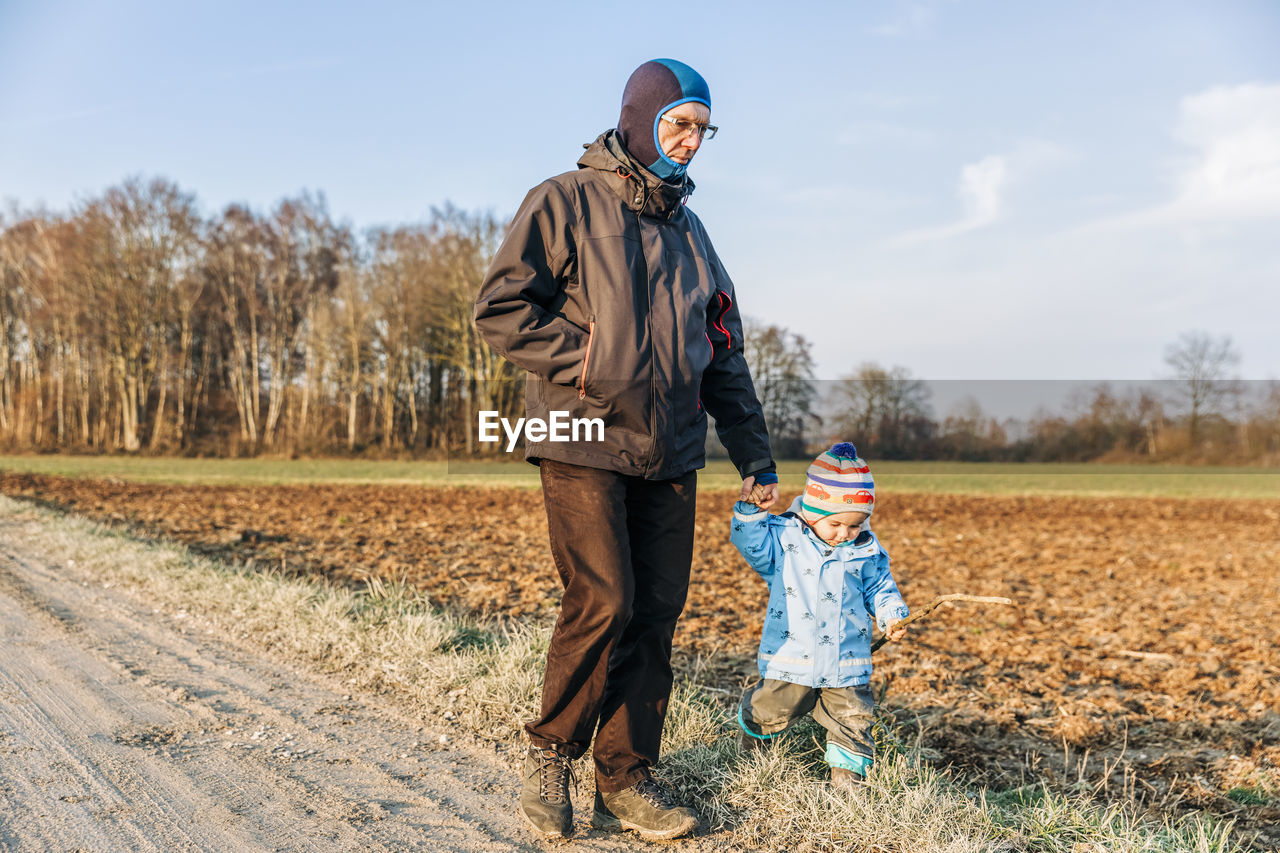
(654,88)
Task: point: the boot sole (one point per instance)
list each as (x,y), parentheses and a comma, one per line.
(613,823)
(552,835)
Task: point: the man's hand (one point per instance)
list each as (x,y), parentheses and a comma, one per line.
(895,630)
(762,496)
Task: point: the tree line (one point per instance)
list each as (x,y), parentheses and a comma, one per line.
(1199,413)
(134,323)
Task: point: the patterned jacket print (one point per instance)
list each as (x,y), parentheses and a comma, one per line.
(817,630)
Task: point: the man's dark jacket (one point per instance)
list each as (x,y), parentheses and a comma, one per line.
(607,291)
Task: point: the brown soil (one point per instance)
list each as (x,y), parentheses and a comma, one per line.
(1140,660)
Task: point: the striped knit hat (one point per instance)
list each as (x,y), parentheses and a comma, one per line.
(838,481)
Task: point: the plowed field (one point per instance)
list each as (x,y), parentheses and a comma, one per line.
(1142,658)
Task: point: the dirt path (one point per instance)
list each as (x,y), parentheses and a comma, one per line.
(123,728)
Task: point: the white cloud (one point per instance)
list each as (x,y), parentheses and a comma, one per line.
(1237,132)
(1233,172)
(980,186)
(981,189)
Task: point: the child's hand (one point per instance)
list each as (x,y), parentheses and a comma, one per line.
(895,630)
(763,496)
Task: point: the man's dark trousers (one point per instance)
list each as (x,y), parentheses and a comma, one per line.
(622,546)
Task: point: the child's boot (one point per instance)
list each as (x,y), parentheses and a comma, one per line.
(846,779)
(748,742)
(848,768)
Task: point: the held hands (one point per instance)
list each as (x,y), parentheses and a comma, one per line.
(762,496)
(895,630)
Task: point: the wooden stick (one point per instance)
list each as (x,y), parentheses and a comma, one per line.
(1146,655)
(943,599)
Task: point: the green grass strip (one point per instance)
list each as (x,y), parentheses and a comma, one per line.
(985,478)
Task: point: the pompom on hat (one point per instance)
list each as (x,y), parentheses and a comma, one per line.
(838,481)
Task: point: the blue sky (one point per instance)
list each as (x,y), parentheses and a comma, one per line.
(973,190)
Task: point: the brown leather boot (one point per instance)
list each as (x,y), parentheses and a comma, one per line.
(645,807)
(544,795)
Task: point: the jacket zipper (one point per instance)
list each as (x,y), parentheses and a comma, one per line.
(653,380)
(586,361)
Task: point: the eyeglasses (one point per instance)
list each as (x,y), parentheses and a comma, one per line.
(683,127)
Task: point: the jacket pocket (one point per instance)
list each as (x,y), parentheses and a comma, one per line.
(715,314)
(586,359)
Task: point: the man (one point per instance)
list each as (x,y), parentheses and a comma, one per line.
(607,291)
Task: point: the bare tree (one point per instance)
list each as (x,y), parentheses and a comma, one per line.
(188,285)
(14,290)
(462,245)
(1201,365)
(402,274)
(781,365)
(887,411)
(304,250)
(1265,422)
(140,243)
(969,434)
(236,265)
(351,325)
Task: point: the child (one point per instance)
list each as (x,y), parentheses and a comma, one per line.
(827,572)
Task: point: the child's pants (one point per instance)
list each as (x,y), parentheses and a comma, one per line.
(847,713)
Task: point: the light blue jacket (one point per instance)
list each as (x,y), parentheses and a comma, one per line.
(817,630)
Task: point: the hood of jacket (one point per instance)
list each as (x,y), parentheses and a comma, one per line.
(640,190)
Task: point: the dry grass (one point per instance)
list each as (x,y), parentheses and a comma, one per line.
(484,679)
(777,800)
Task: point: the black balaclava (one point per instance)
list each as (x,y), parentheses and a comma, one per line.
(652,89)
